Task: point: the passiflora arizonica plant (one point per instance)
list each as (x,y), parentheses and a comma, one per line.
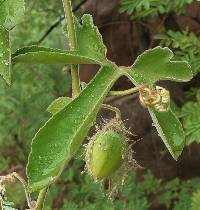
(58,140)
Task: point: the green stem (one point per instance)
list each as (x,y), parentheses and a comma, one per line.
(41,198)
(126,92)
(114,109)
(72,42)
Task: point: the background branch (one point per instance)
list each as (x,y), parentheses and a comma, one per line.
(57,23)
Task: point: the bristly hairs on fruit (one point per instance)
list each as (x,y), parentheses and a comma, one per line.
(117,180)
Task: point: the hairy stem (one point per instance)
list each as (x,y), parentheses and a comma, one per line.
(41,198)
(72,41)
(126,92)
(114,109)
(28,197)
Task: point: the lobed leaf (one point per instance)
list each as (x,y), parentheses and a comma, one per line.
(5,71)
(42,55)
(152,66)
(59,139)
(156,64)
(11,12)
(89,40)
(58,104)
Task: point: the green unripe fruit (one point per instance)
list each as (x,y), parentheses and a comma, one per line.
(104,155)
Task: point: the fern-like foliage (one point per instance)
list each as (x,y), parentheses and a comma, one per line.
(196,200)
(4,203)
(190,114)
(146,8)
(186,46)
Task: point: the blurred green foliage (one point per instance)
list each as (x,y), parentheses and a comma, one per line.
(185,45)
(86,195)
(152,8)
(190,115)
(75,191)
(196,200)
(23,105)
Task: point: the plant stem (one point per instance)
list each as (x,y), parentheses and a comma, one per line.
(72,42)
(114,109)
(28,197)
(41,198)
(126,92)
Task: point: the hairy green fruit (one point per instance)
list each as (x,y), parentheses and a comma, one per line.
(105,153)
(109,155)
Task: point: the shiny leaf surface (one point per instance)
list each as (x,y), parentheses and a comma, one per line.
(170,130)
(89,40)
(156,64)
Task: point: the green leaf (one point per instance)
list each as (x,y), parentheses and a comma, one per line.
(170,130)
(90,48)
(89,40)
(156,64)
(59,139)
(11,12)
(5,71)
(58,104)
(42,55)
(152,66)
